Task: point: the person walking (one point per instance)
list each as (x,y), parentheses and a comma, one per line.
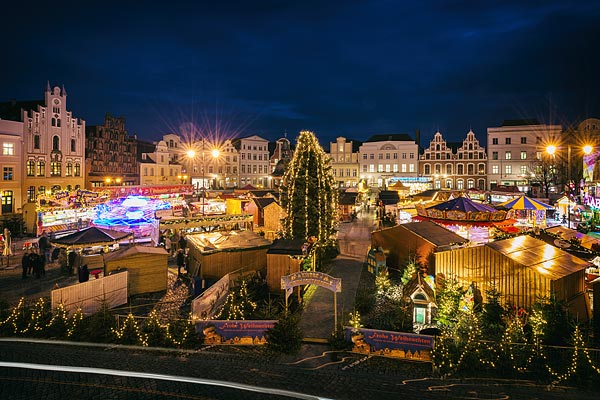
(182,242)
(168,244)
(45,246)
(180,260)
(25,263)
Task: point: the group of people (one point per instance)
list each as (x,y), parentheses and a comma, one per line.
(33,263)
(176,246)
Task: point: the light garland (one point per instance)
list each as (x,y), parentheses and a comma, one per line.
(309,194)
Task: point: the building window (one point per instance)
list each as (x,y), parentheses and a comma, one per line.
(7,201)
(495,169)
(31,194)
(7,174)
(77,169)
(380,156)
(36,142)
(495,140)
(395,167)
(371,167)
(523,155)
(30,168)
(524,140)
(523,169)
(73,146)
(427,169)
(364,156)
(379,167)
(55,143)
(8,149)
(508,155)
(403,168)
(41,168)
(507,140)
(508,169)
(69,170)
(55,168)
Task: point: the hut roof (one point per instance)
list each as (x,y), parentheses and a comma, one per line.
(227,241)
(536,254)
(463,204)
(433,233)
(133,250)
(347,198)
(262,202)
(292,247)
(567,234)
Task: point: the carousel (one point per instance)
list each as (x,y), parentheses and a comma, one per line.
(469,219)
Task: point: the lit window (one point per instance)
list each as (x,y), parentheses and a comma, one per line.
(8,149)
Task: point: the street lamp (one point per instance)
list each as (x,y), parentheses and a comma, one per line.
(191,154)
(551,149)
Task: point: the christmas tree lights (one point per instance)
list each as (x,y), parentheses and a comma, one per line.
(309,193)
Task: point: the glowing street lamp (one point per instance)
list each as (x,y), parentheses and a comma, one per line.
(191,154)
(551,149)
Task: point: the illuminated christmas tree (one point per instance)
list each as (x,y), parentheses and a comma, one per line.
(309,193)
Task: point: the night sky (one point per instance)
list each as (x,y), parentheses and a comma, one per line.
(348,68)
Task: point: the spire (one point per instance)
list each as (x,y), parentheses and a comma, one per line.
(285,133)
(47,86)
(64,92)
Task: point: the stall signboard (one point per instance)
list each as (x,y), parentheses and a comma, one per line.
(393,344)
(205,305)
(124,191)
(591,201)
(244,332)
(288,282)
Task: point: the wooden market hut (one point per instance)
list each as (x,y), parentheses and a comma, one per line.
(522,269)
(215,254)
(415,239)
(256,207)
(147,267)
(284,257)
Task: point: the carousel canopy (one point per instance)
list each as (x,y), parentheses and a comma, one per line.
(525,203)
(92,236)
(464,204)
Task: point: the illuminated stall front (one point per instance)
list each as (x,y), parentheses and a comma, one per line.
(61,211)
(134,214)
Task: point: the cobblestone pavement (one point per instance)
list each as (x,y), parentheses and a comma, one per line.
(350,377)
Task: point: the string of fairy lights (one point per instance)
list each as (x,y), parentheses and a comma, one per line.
(238,304)
(490,354)
(34,321)
(309,196)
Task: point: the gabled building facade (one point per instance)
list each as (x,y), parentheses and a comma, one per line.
(344,162)
(110,154)
(454,165)
(53,144)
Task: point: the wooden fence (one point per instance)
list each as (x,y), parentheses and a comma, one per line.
(89,295)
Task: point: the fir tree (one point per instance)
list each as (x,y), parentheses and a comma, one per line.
(492,316)
(309,194)
(448,301)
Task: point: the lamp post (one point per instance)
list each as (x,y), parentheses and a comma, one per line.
(191,154)
(551,149)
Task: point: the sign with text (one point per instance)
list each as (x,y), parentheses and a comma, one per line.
(311,278)
(234,332)
(393,344)
(205,305)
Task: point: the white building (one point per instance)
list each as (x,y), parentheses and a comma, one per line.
(344,161)
(254,161)
(387,158)
(11,164)
(515,149)
(157,169)
(53,155)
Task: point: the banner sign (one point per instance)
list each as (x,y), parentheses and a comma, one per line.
(205,305)
(311,278)
(124,191)
(392,344)
(234,332)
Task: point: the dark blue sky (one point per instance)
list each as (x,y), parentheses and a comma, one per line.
(347,68)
